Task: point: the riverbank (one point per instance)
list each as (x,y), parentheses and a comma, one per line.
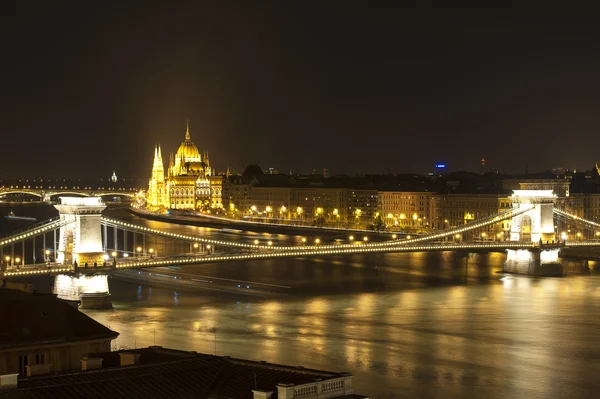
(221,223)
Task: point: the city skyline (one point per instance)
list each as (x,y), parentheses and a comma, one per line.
(357,89)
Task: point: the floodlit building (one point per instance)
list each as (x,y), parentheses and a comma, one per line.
(190,183)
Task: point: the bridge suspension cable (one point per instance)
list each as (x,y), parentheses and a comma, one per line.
(53,224)
(566,215)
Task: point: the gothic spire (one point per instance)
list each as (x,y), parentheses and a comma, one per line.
(187,129)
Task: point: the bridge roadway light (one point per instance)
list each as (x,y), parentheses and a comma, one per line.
(255,242)
(365,238)
(151,251)
(317,240)
(17,260)
(394,236)
(7,259)
(139,250)
(408,237)
(351,238)
(303,240)
(270,243)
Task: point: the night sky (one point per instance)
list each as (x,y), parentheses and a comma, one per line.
(93,86)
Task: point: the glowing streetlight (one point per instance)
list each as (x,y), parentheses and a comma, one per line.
(113,254)
(563,236)
(408,237)
(365,238)
(196,245)
(336,212)
(255,242)
(351,238)
(151,251)
(303,240)
(415,216)
(139,251)
(126,255)
(317,240)
(17,260)
(269,243)
(7,259)
(394,236)
(268,209)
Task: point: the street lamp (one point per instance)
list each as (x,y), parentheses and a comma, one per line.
(139,251)
(17,261)
(208,249)
(351,238)
(408,237)
(317,240)
(365,238)
(47,252)
(483,235)
(303,240)
(255,242)
(196,246)
(7,259)
(394,236)
(269,243)
(151,251)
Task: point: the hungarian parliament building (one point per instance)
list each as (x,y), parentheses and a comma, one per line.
(190,182)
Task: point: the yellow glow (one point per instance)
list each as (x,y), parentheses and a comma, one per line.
(303,239)
(336,212)
(253,207)
(283,209)
(113,254)
(208,246)
(319,211)
(445,220)
(563,236)
(394,236)
(195,245)
(402,216)
(408,237)
(268,209)
(139,249)
(351,238)
(483,235)
(365,238)
(151,250)
(17,260)
(47,252)
(7,258)
(457,236)
(255,242)
(390,216)
(299,210)
(269,242)
(317,240)
(415,216)
(578,234)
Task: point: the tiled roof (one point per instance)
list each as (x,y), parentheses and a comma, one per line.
(165,373)
(29,319)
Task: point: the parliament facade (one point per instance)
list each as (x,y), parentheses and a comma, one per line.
(190,183)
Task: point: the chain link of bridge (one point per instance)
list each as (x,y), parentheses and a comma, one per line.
(86,247)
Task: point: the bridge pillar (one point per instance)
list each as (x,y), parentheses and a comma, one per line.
(92,291)
(534,262)
(538,223)
(80,240)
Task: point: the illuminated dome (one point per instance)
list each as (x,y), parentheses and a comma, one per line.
(188,150)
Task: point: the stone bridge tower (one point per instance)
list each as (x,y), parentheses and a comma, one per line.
(538,223)
(81,240)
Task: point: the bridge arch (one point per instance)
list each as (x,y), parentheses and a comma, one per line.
(34,193)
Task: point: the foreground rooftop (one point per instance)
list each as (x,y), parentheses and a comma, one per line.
(157,372)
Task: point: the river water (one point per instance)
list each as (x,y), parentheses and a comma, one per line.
(421,325)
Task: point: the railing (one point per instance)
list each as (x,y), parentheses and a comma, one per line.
(328,388)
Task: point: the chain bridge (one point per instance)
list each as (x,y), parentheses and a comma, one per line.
(81,247)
